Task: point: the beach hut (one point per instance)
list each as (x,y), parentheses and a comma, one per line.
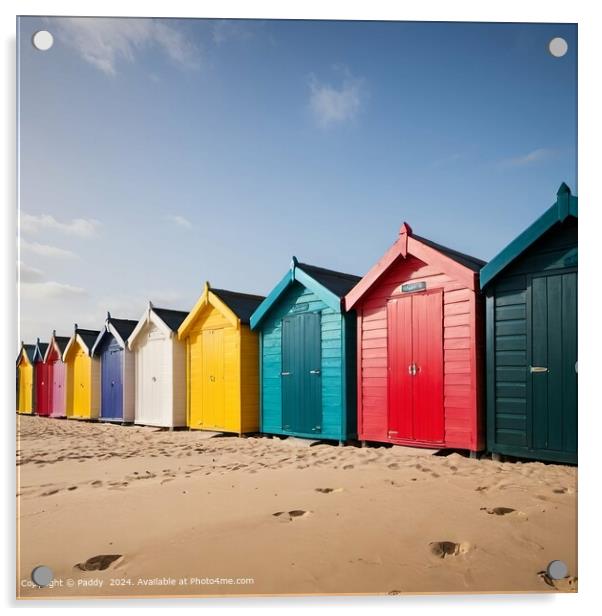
(222,362)
(82,375)
(419,351)
(307,355)
(531,323)
(56,374)
(160,368)
(25,379)
(42,384)
(116,370)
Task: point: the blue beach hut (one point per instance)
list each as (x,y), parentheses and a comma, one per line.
(116,370)
(307,355)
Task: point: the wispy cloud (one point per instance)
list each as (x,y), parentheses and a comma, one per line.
(180,221)
(535,156)
(45,250)
(79,227)
(228,29)
(29,274)
(105,42)
(336,103)
(49,290)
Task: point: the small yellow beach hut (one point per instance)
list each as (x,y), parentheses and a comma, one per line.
(25,379)
(222,362)
(83,375)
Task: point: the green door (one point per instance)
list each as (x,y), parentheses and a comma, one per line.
(552,373)
(301,374)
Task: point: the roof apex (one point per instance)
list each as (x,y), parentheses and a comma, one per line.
(405,229)
(563,190)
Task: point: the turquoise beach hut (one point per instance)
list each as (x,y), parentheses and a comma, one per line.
(307,355)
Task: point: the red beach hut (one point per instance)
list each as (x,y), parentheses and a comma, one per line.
(419,347)
(56,373)
(41,384)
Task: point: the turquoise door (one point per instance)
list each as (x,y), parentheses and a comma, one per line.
(552,373)
(301,374)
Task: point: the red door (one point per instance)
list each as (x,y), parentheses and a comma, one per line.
(415,343)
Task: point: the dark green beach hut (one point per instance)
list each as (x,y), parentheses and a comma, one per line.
(531,322)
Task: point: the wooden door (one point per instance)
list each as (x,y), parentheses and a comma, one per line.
(415,350)
(58,388)
(81,384)
(552,373)
(213,380)
(112,382)
(301,374)
(25,388)
(153,381)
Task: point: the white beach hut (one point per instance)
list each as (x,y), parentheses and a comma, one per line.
(160,368)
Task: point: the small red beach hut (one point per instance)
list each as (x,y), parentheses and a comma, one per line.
(419,347)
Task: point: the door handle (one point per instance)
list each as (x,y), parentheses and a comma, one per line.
(285,374)
(412,369)
(537,369)
(314,371)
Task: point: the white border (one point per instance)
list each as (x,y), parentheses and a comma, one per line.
(587,15)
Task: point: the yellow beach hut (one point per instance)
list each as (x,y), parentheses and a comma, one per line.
(83,375)
(222,362)
(25,379)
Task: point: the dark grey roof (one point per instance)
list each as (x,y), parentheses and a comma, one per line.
(29,351)
(88,336)
(468,261)
(124,327)
(62,342)
(172,318)
(340,284)
(41,349)
(242,304)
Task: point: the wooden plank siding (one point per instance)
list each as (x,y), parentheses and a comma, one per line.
(338,408)
(462,347)
(510,429)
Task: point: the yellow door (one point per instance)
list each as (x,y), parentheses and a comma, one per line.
(213,394)
(81,385)
(25,388)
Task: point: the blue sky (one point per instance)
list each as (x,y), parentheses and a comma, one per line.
(156,154)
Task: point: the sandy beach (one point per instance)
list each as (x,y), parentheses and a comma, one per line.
(189,513)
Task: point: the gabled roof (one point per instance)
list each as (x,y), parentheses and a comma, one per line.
(565,207)
(172,318)
(328,285)
(84,337)
(58,342)
(235,307)
(40,351)
(462,266)
(121,329)
(28,350)
(242,304)
(167,319)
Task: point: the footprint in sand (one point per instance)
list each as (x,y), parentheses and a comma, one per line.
(560,490)
(501,511)
(49,493)
(393,466)
(348,467)
(328,490)
(567,584)
(442,549)
(98,563)
(72,488)
(293,514)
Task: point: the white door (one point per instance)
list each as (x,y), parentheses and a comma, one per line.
(152,411)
